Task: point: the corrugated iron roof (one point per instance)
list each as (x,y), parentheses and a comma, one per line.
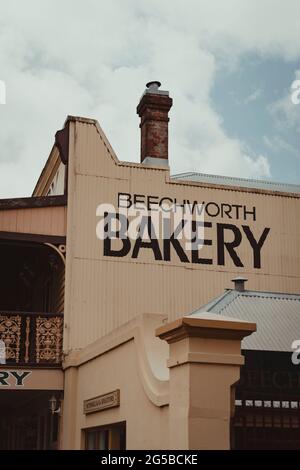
(242,182)
(277,317)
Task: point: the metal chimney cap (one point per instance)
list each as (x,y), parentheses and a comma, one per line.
(154,84)
(152,88)
(239,283)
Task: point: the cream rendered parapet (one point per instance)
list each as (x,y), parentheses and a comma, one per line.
(151,354)
(205,360)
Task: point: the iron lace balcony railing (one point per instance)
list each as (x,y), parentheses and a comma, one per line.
(33,339)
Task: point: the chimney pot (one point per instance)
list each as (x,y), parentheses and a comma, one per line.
(153,85)
(239,283)
(153,110)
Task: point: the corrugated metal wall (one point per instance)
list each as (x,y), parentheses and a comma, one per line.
(103,292)
(59,291)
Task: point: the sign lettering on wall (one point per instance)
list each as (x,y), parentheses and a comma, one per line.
(25,379)
(15,378)
(170,229)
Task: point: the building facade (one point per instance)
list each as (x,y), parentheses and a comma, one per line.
(104,265)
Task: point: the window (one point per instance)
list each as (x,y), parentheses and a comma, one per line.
(97,440)
(111,437)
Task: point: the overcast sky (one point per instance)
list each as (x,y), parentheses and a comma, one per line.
(228,64)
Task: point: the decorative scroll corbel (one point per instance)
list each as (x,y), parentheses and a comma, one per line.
(62,143)
(60,249)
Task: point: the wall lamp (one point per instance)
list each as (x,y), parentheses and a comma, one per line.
(54,406)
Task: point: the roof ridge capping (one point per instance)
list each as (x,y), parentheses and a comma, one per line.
(223,179)
(266,294)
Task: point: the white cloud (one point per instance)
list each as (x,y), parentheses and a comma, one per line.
(93,58)
(253,96)
(276,144)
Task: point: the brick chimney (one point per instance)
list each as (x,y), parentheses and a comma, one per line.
(153,110)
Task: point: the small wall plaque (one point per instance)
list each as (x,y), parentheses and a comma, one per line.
(109,400)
